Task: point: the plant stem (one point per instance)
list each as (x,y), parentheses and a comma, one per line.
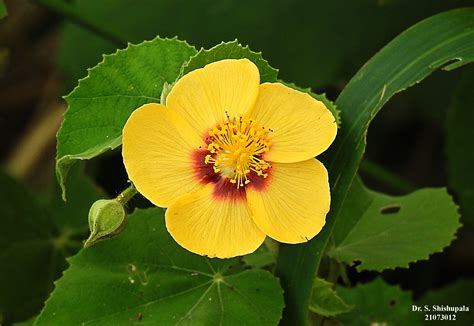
(334,271)
(379,173)
(127,194)
(272,246)
(68,11)
(343,275)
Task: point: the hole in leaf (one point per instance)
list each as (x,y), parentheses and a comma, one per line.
(451,64)
(390,209)
(392,302)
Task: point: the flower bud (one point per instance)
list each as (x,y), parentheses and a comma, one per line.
(107,217)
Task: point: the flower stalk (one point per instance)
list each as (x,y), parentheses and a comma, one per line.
(127,194)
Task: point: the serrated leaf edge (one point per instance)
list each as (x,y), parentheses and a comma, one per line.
(237,43)
(65,162)
(427,257)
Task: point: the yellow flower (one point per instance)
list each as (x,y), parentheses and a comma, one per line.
(232,160)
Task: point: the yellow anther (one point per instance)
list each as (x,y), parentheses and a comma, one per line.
(235,148)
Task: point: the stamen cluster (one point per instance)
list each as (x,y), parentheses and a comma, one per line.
(236,148)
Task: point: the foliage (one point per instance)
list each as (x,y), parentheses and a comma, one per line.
(260,258)
(314,43)
(459,146)
(442,41)
(325,301)
(144,275)
(102,102)
(231,50)
(38,239)
(377,303)
(383,232)
(458,294)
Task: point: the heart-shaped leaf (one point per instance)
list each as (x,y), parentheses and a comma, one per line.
(143,275)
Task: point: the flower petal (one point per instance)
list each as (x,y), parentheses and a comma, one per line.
(157,153)
(302,126)
(211,226)
(292,207)
(203,96)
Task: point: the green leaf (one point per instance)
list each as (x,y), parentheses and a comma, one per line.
(232,50)
(460,156)
(26,235)
(325,301)
(102,102)
(71,216)
(384,232)
(458,294)
(144,275)
(429,45)
(34,241)
(262,257)
(377,303)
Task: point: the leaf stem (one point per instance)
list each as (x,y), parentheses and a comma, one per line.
(344,276)
(381,174)
(69,12)
(334,271)
(127,194)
